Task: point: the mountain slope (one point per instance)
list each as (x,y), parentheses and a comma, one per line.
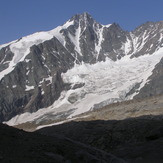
(76,67)
(136,140)
(19,146)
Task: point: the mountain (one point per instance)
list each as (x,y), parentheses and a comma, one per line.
(77,67)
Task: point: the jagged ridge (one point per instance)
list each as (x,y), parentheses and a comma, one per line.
(31,67)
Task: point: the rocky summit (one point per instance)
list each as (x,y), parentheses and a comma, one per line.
(77,67)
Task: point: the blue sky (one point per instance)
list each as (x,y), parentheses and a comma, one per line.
(19,18)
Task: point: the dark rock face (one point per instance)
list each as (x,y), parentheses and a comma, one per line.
(18,146)
(114,37)
(111,39)
(43,71)
(5,56)
(149,34)
(135,140)
(36,82)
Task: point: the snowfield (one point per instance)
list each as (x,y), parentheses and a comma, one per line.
(103,83)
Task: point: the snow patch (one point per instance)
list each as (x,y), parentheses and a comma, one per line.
(100,39)
(76,39)
(58,123)
(42,92)
(4,45)
(127,46)
(14,86)
(28,88)
(107,26)
(68,23)
(49,79)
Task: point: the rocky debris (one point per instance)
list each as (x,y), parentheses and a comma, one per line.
(1,157)
(135,140)
(126,109)
(116,111)
(73,98)
(19,146)
(78,85)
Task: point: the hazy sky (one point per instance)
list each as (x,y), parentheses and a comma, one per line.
(19,18)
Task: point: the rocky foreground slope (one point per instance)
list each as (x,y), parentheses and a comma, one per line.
(22,147)
(136,140)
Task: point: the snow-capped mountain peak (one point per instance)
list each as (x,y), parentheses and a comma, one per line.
(76,67)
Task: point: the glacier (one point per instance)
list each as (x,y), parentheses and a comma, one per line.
(104,83)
